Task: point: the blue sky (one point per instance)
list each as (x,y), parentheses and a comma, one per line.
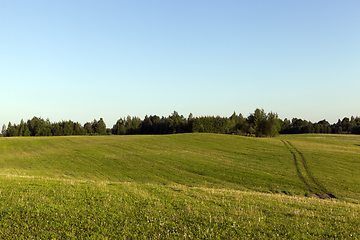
(85,60)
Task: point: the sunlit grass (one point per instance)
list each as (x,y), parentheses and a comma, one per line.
(212,160)
(179,186)
(44,208)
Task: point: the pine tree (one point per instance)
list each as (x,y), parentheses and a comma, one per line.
(3,131)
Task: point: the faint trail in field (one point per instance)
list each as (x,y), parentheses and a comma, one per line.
(322,188)
(318,188)
(287,144)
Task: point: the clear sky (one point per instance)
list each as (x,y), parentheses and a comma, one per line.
(85,60)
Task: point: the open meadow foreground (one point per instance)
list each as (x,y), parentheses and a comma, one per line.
(180,186)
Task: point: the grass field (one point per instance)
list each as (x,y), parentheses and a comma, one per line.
(180,186)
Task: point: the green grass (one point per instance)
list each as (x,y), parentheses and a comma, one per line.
(41,208)
(180,186)
(334,161)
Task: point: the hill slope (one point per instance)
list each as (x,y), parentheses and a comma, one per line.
(179,186)
(300,165)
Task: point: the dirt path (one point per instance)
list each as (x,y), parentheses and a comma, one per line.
(311,184)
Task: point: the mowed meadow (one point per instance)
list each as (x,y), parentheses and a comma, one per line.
(180,186)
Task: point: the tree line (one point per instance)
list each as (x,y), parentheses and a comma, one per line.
(40,127)
(259,124)
(344,126)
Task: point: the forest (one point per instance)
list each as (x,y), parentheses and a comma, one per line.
(259,124)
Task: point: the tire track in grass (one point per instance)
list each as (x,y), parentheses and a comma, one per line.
(303,161)
(318,190)
(296,163)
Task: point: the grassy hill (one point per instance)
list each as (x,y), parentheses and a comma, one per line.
(182,186)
